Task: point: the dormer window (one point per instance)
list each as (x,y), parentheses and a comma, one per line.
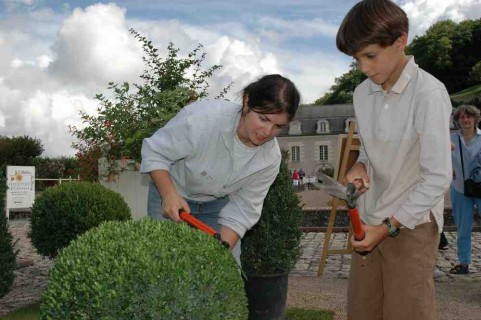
(348,123)
(295,128)
(322,126)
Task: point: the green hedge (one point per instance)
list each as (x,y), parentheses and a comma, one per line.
(273,245)
(7,253)
(63,212)
(144,269)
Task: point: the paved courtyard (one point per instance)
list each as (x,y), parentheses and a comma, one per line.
(338,266)
(32,271)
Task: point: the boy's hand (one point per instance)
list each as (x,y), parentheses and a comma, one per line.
(374,235)
(357,174)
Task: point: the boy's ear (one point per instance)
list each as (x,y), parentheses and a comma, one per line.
(401,42)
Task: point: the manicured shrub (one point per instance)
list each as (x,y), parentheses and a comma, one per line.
(7,252)
(144,269)
(63,212)
(273,245)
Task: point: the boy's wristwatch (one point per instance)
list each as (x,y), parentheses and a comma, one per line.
(393,231)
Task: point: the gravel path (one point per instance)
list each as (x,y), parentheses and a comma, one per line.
(457,299)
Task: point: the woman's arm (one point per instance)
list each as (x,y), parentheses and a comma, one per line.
(172,201)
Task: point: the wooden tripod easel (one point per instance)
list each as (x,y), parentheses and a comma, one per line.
(335,203)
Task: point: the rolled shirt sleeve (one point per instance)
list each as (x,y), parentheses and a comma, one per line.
(167,145)
(245,205)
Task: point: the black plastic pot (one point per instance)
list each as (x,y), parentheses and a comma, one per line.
(266,295)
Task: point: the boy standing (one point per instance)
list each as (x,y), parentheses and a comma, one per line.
(403,122)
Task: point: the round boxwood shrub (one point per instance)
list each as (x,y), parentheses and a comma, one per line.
(63,212)
(7,252)
(144,269)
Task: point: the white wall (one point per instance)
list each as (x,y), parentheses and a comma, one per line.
(133,187)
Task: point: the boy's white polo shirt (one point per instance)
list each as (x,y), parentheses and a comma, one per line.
(405,146)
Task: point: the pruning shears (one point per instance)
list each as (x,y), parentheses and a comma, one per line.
(196,223)
(349,193)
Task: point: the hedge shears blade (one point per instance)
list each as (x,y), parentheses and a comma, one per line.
(349,193)
(196,223)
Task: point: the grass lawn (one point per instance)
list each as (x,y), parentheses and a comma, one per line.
(474,90)
(28,313)
(32,313)
(308,314)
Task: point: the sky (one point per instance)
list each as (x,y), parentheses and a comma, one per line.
(55,56)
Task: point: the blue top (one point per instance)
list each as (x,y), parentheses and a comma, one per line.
(470,156)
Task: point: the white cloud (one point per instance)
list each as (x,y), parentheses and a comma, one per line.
(424,13)
(314,74)
(52,63)
(95,46)
(242,60)
(276,29)
(42,93)
(48,115)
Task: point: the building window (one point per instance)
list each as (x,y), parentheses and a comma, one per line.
(322,126)
(295,128)
(348,123)
(295,154)
(323,152)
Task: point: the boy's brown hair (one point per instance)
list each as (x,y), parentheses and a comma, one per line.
(371,22)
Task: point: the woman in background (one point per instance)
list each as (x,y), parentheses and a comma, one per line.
(469,140)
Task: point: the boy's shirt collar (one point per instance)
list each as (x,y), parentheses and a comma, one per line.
(408,72)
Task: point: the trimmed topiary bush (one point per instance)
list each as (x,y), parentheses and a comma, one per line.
(144,269)
(63,212)
(7,252)
(273,245)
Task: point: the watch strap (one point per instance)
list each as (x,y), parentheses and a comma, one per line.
(393,231)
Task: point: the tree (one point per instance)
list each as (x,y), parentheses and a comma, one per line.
(19,151)
(7,251)
(448,50)
(343,89)
(117,130)
(475,74)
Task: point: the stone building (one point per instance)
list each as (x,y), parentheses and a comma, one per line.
(314,137)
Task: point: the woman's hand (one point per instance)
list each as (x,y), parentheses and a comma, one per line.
(171,200)
(171,205)
(229,235)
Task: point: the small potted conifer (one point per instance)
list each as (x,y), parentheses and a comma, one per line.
(271,249)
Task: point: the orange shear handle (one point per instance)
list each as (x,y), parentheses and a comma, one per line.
(356,224)
(196,223)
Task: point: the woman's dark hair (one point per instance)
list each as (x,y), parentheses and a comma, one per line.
(272,94)
(369,22)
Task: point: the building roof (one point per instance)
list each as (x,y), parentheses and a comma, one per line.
(335,114)
(325,111)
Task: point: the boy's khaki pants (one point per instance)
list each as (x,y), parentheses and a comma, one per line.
(395,281)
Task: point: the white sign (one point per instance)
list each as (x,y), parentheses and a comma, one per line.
(21,187)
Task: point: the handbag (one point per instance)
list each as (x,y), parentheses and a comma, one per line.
(472,188)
